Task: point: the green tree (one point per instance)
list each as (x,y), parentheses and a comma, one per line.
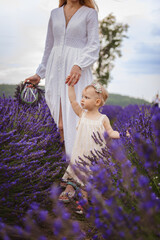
(111,37)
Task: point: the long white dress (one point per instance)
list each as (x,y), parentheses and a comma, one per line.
(74,44)
(84,144)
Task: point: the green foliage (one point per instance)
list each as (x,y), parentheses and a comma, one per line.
(117,99)
(111,37)
(114,99)
(7,89)
(31,157)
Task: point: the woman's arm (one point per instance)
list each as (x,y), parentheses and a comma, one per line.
(72,98)
(91,51)
(41,70)
(109,129)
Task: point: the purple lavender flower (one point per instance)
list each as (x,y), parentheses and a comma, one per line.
(30,156)
(123,183)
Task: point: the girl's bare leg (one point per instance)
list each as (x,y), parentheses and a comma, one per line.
(60,124)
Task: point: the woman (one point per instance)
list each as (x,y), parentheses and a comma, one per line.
(72,46)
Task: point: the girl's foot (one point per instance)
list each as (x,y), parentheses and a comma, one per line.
(63,183)
(67,194)
(80,208)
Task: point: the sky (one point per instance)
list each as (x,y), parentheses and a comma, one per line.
(23,26)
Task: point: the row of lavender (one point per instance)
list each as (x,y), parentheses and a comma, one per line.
(123,189)
(31,154)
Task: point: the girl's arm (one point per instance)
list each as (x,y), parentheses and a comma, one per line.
(109,129)
(72,98)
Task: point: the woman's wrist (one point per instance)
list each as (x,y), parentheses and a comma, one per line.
(39,78)
(78,67)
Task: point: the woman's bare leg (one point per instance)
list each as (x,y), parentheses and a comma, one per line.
(60,124)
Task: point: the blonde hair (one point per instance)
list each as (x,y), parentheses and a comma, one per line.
(102,96)
(87,3)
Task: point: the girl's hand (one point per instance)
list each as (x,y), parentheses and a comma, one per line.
(35,79)
(127,134)
(74,76)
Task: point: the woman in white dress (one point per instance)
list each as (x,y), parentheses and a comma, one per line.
(72,46)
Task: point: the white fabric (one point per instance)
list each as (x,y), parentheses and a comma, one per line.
(156,101)
(76,44)
(84,143)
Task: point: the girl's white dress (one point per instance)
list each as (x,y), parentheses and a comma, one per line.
(74,44)
(84,144)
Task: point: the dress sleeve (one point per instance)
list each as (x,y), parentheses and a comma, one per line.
(41,70)
(91,51)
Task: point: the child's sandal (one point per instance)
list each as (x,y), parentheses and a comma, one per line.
(66,196)
(63,183)
(76,188)
(79,208)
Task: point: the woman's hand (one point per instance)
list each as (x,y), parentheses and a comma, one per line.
(74,76)
(35,79)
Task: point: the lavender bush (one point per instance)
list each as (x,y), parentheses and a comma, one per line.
(31,154)
(111,111)
(124,205)
(142,148)
(123,189)
(41,224)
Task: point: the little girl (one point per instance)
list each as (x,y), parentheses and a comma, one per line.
(91,121)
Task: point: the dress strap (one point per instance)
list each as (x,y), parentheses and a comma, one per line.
(83,114)
(102,117)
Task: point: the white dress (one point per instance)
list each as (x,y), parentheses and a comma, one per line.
(76,44)
(84,144)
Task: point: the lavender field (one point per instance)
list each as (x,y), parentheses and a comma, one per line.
(123,189)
